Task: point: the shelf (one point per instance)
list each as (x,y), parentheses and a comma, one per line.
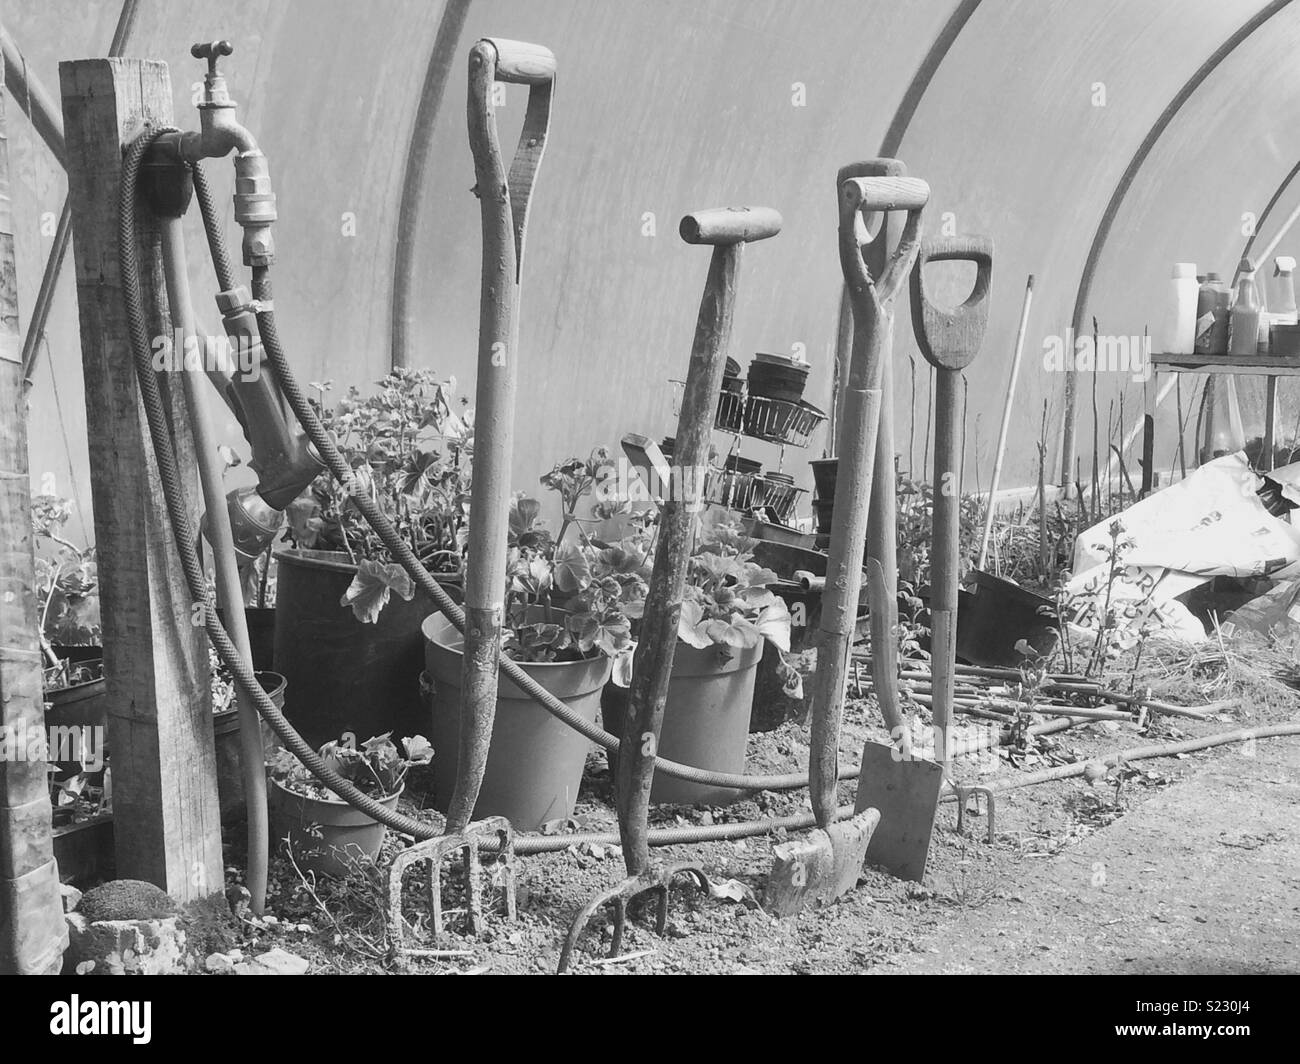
(1246,365)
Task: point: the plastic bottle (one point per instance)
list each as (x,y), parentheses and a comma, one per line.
(1245,316)
(1179,331)
(1213,304)
(1279,288)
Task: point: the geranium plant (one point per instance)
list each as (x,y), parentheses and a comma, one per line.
(409,447)
(67,591)
(376,767)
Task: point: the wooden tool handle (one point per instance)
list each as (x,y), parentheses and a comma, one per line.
(950,339)
(521,63)
(730,225)
(886,193)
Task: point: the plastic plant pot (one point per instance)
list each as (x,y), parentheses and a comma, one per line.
(534,768)
(343,675)
(706,719)
(326,836)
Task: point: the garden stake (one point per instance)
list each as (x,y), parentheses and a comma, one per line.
(504,200)
(726,230)
(827,863)
(949,340)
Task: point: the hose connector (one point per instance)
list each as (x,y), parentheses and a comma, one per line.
(255,207)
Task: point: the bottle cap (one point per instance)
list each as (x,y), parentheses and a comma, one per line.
(1245,266)
(1212,278)
(1284,263)
(1184,269)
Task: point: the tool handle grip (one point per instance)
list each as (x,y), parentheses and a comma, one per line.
(950,339)
(730,225)
(886,193)
(521,63)
(969,248)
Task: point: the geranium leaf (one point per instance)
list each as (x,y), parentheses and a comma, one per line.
(369,591)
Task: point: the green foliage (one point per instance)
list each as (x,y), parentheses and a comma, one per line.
(376,768)
(409,447)
(67,580)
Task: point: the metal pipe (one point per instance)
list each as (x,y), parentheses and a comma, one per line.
(418,151)
(230,597)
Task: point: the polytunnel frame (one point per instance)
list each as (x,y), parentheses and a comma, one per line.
(1117,198)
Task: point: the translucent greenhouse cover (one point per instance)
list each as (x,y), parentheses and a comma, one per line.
(1035,112)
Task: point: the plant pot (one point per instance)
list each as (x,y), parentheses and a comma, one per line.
(535,764)
(225,728)
(777,377)
(80,705)
(824,472)
(997,616)
(342,675)
(261,634)
(706,719)
(327,836)
(824,510)
(84,851)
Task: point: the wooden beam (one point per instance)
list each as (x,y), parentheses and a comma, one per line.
(160,713)
(33,935)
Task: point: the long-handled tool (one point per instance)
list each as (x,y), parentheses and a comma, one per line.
(504,199)
(949,340)
(827,863)
(903,788)
(727,230)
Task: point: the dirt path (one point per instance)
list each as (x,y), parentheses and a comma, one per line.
(1202,877)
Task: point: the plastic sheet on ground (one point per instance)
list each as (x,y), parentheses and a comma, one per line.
(1132,567)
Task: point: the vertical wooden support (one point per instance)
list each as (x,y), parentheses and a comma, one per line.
(32,931)
(165,813)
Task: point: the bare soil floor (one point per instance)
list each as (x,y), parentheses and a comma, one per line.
(1188,864)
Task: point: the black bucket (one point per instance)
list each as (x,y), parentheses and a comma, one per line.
(342,675)
(996,615)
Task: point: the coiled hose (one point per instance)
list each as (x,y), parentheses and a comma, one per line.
(156,417)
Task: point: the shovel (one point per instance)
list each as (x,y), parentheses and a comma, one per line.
(904,789)
(826,864)
(949,340)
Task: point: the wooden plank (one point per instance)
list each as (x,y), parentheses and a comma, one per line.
(1249,365)
(32,932)
(160,713)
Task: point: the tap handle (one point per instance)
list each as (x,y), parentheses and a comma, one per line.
(212,51)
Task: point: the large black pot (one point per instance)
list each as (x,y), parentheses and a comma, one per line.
(342,675)
(261,634)
(776,377)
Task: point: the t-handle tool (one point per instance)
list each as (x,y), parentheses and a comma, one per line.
(949,340)
(504,200)
(726,230)
(826,864)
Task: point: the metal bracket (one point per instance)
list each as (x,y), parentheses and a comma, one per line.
(963,793)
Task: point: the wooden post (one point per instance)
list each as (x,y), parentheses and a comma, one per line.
(165,813)
(32,932)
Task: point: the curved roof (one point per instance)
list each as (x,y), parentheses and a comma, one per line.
(1024,129)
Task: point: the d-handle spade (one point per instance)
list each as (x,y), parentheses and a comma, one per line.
(504,198)
(826,864)
(949,340)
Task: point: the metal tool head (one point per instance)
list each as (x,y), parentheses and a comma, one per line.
(730,225)
(950,339)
